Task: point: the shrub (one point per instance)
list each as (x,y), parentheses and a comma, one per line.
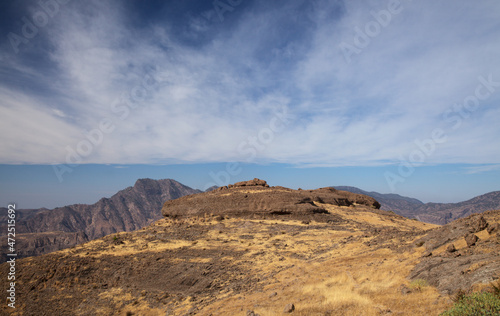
(459,295)
(475,304)
(496,288)
(418,284)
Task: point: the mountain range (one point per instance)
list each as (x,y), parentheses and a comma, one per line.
(42,230)
(435,213)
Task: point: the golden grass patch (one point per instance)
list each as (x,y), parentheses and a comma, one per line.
(349,279)
(123,302)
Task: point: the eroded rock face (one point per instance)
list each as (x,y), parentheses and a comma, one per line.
(471,240)
(255,197)
(252,183)
(456,269)
(45,230)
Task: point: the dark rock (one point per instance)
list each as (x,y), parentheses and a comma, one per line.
(289,308)
(478,224)
(251,183)
(451,248)
(455,231)
(493,228)
(404,289)
(252,313)
(471,240)
(427,254)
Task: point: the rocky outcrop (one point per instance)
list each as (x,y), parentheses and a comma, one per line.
(251,183)
(458,268)
(255,197)
(454,231)
(402,205)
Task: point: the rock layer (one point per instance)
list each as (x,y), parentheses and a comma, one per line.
(255,197)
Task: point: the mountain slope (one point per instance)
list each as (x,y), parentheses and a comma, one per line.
(350,258)
(443,213)
(436,213)
(401,205)
(127,210)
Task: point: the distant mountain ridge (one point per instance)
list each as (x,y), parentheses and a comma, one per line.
(436,213)
(399,204)
(443,213)
(43,230)
(40,231)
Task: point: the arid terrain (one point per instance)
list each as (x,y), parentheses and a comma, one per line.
(250,249)
(42,231)
(435,213)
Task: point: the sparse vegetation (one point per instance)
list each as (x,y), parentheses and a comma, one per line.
(418,284)
(496,288)
(459,295)
(349,261)
(475,304)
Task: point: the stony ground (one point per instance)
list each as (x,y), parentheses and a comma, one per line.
(348,260)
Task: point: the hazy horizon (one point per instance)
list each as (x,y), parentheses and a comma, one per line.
(37,186)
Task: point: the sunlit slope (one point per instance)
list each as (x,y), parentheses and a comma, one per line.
(343,260)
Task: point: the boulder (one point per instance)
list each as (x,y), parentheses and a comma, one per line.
(471,240)
(451,248)
(493,228)
(427,254)
(289,308)
(478,224)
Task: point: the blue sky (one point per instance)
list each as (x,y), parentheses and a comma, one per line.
(392,96)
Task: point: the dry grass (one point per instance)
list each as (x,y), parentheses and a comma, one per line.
(314,268)
(124,302)
(347,279)
(375,219)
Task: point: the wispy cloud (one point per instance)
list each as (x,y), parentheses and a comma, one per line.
(219,84)
(482,169)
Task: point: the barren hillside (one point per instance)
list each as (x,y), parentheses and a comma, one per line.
(251,249)
(42,231)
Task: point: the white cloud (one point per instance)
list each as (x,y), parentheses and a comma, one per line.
(210,98)
(30,133)
(482,169)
